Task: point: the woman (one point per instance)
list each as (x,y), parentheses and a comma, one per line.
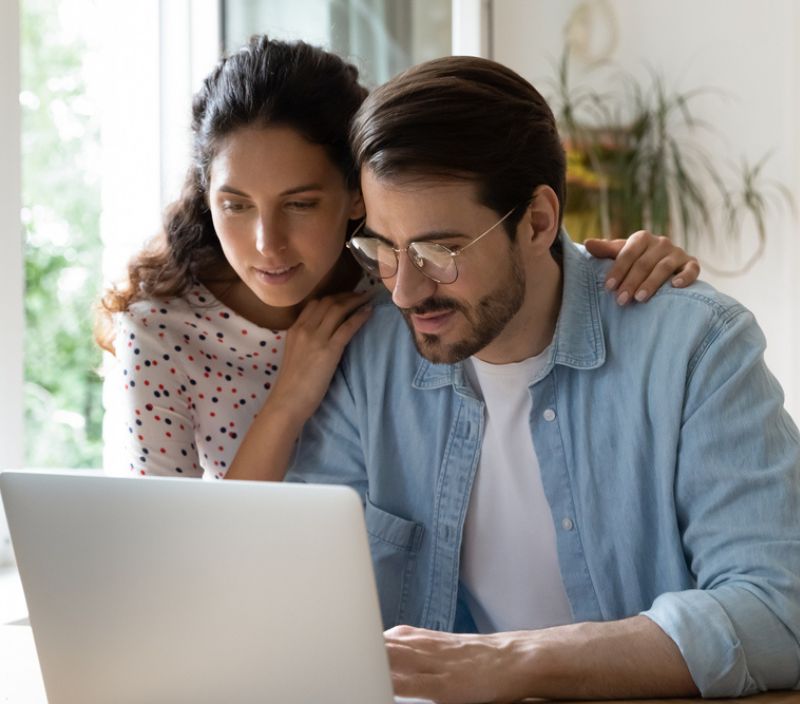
(229,328)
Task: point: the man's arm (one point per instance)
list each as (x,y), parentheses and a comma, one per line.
(628,658)
(737,502)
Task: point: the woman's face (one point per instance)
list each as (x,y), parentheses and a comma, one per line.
(280,208)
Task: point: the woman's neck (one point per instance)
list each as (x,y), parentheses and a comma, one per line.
(236,295)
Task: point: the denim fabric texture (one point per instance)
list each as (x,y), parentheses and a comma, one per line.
(670,466)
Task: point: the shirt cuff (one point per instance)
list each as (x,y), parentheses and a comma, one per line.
(708,642)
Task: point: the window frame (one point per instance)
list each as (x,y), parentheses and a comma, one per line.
(12,315)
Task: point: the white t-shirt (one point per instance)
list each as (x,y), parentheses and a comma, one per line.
(509,563)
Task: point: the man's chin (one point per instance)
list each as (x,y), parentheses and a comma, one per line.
(435,350)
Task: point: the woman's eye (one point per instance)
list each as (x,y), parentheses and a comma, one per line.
(232,207)
(302,204)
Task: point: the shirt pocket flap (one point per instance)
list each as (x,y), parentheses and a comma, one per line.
(385,526)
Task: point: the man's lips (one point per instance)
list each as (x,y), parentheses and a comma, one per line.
(433,322)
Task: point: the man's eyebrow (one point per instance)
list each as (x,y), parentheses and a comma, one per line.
(227,188)
(432,236)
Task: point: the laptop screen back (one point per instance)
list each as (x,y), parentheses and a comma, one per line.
(177,590)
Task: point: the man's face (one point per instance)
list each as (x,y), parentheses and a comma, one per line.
(449,322)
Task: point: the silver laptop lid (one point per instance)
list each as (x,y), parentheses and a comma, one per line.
(177,590)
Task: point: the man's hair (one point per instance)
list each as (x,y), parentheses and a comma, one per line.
(465,118)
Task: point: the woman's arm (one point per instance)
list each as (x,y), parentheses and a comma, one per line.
(155,404)
(314,346)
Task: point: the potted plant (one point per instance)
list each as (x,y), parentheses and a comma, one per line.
(634,160)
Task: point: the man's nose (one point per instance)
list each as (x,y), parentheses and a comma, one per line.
(409,286)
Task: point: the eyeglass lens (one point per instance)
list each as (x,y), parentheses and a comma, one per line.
(433,260)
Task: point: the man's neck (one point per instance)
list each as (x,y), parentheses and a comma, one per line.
(531,329)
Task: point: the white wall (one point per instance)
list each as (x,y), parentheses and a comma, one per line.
(11,282)
(749,50)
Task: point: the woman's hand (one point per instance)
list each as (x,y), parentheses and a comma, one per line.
(314,346)
(643,263)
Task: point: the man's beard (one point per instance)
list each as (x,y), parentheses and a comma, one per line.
(486,320)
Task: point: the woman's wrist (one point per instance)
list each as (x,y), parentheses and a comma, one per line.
(290,414)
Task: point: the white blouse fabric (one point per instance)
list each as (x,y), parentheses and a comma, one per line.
(190,375)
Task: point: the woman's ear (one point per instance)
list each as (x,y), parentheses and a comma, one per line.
(357,209)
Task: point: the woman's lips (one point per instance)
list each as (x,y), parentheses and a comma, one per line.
(431,323)
(279,275)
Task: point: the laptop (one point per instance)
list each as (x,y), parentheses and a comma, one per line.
(179,590)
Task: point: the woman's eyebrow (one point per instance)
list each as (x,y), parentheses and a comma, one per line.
(227,188)
(303,188)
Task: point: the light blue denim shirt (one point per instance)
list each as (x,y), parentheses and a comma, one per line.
(671,469)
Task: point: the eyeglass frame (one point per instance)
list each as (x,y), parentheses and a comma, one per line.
(399,250)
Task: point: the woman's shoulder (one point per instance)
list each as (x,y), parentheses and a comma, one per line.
(161,319)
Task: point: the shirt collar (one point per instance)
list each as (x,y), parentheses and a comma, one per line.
(578,341)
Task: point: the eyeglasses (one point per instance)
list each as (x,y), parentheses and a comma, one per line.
(435,261)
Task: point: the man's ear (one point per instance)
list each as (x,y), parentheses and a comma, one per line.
(541,218)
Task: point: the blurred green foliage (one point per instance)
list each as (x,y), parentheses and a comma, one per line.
(61,216)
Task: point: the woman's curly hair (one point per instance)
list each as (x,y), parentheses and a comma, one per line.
(266,82)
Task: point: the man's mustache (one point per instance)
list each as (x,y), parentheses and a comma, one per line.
(433,305)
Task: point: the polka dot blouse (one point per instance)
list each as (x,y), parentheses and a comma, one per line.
(192,376)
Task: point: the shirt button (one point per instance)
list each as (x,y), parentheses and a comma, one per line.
(549,415)
(567,524)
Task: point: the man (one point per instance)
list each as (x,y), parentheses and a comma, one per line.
(564,498)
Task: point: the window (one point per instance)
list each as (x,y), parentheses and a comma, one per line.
(61,224)
(381,37)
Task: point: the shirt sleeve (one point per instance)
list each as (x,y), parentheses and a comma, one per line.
(158,429)
(737,500)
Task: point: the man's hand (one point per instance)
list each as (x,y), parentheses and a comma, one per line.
(631,658)
(452,667)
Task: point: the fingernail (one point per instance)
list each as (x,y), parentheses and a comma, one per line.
(641,295)
(611,284)
(677,282)
(623,298)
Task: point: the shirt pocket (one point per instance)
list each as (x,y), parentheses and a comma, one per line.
(394,543)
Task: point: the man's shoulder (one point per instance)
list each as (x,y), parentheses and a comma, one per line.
(700,302)
(384,338)
(385,317)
